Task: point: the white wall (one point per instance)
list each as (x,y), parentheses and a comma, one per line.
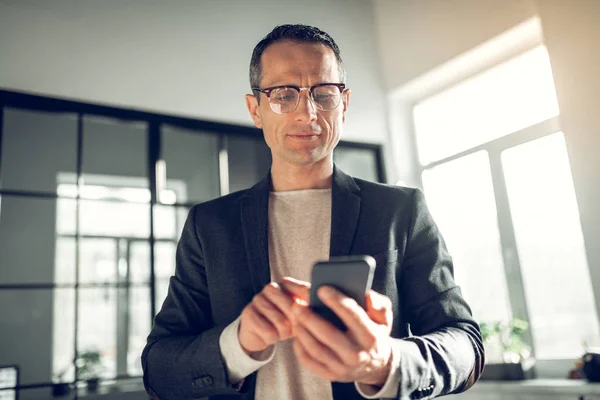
(184,57)
(418,35)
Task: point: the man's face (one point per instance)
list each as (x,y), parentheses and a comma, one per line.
(307,135)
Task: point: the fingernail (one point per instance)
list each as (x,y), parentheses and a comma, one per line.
(300,302)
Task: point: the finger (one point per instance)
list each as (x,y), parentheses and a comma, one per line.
(259,325)
(272,313)
(310,363)
(326,333)
(276,295)
(379,308)
(296,288)
(378,301)
(352,315)
(296,313)
(318,351)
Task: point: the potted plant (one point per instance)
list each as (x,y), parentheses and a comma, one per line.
(508,355)
(88,367)
(60,389)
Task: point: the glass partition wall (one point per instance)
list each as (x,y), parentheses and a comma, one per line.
(92,203)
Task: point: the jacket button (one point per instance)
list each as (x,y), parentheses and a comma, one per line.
(203,381)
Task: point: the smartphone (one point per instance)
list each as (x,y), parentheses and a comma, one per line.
(352,275)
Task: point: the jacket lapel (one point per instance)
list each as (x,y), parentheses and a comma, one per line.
(345,208)
(254,212)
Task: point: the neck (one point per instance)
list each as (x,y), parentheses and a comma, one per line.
(285,177)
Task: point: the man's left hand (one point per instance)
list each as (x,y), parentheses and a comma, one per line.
(361,354)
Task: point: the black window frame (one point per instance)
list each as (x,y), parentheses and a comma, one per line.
(33,102)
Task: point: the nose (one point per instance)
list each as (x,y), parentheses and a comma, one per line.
(305,111)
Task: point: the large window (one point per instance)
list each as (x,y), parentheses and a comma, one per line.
(92,203)
(497,178)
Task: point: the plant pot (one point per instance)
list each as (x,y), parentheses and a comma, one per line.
(92,385)
(509,371)
(591,367)
(60,389)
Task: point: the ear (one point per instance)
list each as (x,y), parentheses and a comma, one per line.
(346,103)
(253,109)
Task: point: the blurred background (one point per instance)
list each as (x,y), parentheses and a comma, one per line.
(117,116)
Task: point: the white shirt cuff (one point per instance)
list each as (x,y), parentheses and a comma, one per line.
(390,389)
(239,364)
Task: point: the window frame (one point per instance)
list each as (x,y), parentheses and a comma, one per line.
(154,121)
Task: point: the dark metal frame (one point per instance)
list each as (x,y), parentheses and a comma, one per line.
(154,121)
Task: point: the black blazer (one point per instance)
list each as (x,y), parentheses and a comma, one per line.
(222,262)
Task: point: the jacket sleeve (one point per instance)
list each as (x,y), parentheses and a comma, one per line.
(182,357)
(445,352)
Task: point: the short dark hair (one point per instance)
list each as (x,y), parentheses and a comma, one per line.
(296,33)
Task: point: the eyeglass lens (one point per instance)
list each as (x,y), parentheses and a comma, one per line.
(284,100)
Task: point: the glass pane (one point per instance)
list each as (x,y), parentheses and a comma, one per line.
(550,247)
(249,160)
(169,221)
(29,250)
(8,379)
(36,148)
(97,260)
(64,260)
(139,262)
(27,328)
(192,165)
(8,394)
(114,155)
(162,289)
(164,269)
(139,327)
(461,198)
(66,213)
(361,163)
(164,252)
(63,336)
(97,330)
(507,98)
(114,218)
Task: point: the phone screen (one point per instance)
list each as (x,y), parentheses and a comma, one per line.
(351,275)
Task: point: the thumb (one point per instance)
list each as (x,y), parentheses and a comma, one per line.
(379,309)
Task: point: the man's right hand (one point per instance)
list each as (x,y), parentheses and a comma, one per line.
(265,321)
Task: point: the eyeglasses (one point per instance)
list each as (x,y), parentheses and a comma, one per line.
(285,99)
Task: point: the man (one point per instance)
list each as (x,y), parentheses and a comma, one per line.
(235,321)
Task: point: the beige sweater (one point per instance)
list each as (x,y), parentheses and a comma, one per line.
(299,231)
(299,235)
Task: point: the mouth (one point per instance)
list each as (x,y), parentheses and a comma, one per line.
(303,135)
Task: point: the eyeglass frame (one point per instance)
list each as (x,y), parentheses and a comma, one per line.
(267,92)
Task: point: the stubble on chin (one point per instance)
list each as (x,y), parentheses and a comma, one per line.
(303,156)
